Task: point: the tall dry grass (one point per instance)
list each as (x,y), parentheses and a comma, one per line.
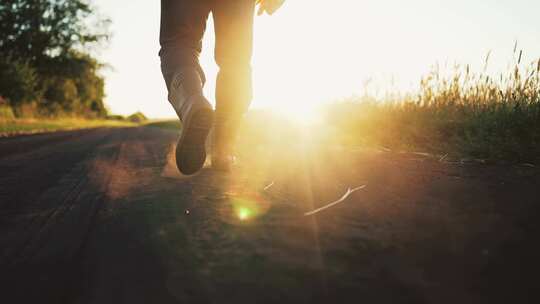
(464,113)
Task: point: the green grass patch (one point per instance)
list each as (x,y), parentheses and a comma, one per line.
(31,126)
(165,124)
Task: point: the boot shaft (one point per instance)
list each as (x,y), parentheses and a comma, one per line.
(185,88)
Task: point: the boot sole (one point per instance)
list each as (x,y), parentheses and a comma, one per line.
(191,148)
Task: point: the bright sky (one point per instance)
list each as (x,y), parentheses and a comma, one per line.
(319,50)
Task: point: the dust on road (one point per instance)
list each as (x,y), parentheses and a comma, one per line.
(100,216)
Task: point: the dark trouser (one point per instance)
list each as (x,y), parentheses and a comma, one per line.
(183,23)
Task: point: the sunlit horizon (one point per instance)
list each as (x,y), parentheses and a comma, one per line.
(314,51)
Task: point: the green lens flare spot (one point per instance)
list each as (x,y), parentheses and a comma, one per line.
(244,213)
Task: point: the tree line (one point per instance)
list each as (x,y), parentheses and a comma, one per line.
(46,62)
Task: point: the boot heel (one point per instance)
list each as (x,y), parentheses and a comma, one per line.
(191,148)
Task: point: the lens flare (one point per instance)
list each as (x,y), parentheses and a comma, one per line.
(244,214)
(246,207)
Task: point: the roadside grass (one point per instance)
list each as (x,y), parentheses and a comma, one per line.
(10,127)
(459,114)
(172,124)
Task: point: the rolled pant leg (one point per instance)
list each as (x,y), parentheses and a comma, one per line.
(183,23)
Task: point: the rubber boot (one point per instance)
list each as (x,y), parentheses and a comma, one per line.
(196,115)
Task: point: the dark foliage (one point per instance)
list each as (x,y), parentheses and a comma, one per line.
(18,81)
(44,57)
(137,117)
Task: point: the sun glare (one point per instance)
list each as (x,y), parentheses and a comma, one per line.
(303,114)
(300,62)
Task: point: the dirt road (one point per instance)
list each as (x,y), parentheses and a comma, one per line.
(101,216)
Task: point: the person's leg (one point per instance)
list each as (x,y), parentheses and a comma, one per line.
(233,20)
(183,24)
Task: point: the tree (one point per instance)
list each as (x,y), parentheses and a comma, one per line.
(18,81)
(40,29)
(73,85)
(44,53)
